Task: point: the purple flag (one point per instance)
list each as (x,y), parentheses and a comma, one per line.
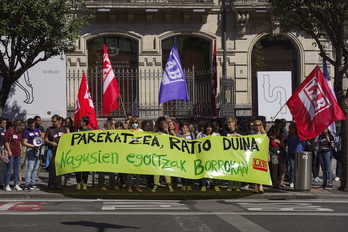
(332,127)
(173,85)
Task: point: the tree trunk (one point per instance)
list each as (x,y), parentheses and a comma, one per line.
(4,92)
(344,155)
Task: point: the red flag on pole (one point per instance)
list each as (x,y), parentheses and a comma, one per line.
(313,106)
(110,87)
(84,105)
(213,81)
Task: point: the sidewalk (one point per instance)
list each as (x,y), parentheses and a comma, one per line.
(70,192)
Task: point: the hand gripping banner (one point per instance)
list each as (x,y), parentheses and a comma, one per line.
(123,151)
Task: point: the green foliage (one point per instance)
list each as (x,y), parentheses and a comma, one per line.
(29,27)
(32,31)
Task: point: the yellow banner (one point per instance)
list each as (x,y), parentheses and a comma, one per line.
(229,158)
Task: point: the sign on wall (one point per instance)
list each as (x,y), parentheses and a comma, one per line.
(274,89)
(39,91)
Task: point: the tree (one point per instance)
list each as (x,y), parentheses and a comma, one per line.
(323,20)
(33,31)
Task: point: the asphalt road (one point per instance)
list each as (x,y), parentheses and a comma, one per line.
(208,215)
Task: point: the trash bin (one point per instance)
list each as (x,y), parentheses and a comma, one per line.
(303,171)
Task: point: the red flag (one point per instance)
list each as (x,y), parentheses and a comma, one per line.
(213,81)
(313,106)
(84,105)
(110,87)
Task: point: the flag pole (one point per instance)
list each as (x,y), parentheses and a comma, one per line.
(277,113)
(124,109)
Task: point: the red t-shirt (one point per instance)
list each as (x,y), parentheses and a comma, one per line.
(14,139)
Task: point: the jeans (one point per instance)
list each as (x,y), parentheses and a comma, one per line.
(33,162)
(292,168)
(325,157)
(13,163)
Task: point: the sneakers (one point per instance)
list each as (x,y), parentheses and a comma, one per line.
(33,187)
(216,188)
(291,185)
(26,188)
(171,190)
(103,188)
(139,190)
(203,189)
(317,179)
(78,186)
(17,188)
(8,188)
(238,190)
(84,187)
(154,189)
(189,189)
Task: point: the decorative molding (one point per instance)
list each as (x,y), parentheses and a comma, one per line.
(242,22)
(275,26)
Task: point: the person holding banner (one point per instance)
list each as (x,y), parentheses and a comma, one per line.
(257,130)
(186,134)
(231,130)
(109,125)
(133,126)
(52,137)
(208,131)
(82,177)
(162,128)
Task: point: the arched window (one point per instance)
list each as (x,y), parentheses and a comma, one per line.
(273,53)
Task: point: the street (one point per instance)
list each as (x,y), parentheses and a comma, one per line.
(159,215)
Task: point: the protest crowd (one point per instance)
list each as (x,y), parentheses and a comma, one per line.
(24,154)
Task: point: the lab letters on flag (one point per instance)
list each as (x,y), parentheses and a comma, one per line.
(173,85)
(84,105)
(313,106)
(332,127)
(111,92)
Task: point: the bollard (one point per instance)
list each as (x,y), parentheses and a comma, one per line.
(303,171)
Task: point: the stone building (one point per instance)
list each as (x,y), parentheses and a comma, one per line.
(139,36)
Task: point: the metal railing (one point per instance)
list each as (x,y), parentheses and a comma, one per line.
(139,94)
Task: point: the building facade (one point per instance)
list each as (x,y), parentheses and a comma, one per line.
(139,36)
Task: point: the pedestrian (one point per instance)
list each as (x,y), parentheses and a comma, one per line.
(294,145)
(3,164)
(13,139)
(32,154)
(325,157)
(277,157)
